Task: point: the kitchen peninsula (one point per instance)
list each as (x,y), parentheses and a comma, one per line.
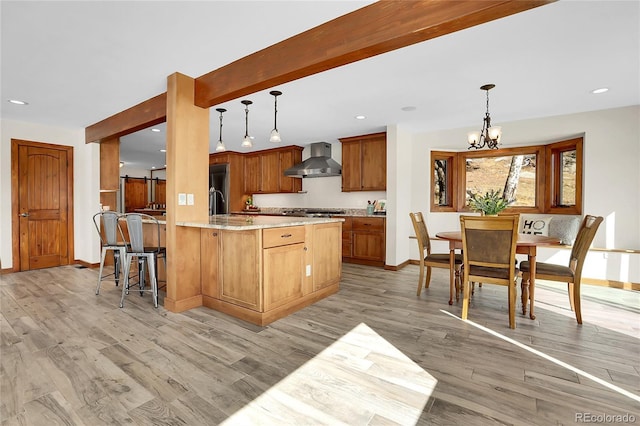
(262,268)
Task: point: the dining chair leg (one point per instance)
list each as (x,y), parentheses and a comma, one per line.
(428,279)
(571,296)
(512,305)
(524,289)
(421,276)
(465,299)
(577,304)
(532,290)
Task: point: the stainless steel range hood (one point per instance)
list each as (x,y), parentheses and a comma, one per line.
(320,164)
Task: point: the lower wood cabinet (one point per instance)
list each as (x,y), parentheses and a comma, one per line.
(366,242)
(264,274)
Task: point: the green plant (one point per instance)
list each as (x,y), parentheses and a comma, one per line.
(490,203)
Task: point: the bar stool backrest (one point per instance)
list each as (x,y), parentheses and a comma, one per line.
(134,225)
(106,224)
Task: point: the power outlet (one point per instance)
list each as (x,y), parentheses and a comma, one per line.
(182,199)
(190,199)
(308,270)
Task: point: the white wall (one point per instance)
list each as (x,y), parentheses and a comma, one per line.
(86,184)
(611,179)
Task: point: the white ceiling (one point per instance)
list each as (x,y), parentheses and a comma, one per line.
(78,62)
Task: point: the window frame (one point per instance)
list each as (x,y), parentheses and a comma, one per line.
(548,170)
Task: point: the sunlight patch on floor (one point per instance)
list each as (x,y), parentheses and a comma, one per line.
(550,358)
(358,379)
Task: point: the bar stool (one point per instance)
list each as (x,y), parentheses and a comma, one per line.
(112,238)
(148,255)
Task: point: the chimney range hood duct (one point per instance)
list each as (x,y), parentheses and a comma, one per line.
(320,164)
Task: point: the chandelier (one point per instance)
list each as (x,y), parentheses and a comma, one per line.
(488,136)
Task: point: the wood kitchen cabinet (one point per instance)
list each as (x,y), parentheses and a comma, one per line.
(240,265)
(327,261)
(264,170)
(364,163)
(260,275)
(283,265)
(366,242)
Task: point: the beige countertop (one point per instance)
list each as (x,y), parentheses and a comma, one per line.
(248,222)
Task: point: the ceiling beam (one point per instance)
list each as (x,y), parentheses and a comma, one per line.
(146,114)
(378,28)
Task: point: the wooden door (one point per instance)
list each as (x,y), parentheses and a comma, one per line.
(160,196)
(136,194)
(42,199)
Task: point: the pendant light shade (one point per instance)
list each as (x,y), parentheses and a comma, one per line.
(246,142)
(488,136)
(220,146)
(275,134)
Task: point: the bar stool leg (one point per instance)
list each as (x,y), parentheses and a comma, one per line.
(102,257)
(127,268)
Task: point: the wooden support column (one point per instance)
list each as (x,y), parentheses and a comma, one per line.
(109,171)
(187,173)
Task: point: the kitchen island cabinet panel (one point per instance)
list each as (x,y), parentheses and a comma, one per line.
(240,268)
(283,274)
(209,256)
(327,261)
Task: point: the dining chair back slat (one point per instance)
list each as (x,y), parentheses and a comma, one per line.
(489,251)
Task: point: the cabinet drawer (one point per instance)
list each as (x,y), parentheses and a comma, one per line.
(274,237)
(370,224)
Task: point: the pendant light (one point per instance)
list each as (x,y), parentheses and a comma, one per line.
(489,136)
(220,146)
(275,135)
(246,142)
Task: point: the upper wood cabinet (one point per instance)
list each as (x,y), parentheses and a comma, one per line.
(364,163)
(264,170)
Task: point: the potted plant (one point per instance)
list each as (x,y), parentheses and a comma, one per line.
(489,204)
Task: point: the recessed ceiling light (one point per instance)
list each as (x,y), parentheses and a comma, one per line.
(121,163)
(155,130)
(163,150)
(408,108)
(153,167)
(600,90)
(17,102)
(360,117)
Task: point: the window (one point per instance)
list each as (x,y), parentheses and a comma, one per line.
(443,175)
(519,173)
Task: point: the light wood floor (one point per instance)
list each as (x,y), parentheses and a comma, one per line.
(71,357)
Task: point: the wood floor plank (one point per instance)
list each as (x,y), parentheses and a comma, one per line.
(68,356)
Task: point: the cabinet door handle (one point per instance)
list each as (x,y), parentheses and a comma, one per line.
(367,224)
(285,235)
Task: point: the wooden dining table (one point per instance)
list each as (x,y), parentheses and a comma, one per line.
(526,244)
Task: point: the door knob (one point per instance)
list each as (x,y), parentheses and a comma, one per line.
(24,214)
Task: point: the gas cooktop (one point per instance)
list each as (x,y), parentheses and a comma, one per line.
(312,212)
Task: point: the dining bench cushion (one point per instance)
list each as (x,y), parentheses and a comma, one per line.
(548,269)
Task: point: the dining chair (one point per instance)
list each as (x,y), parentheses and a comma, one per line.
(112,239)
(432,260)
(489,253)
(571,274)
(145,255)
